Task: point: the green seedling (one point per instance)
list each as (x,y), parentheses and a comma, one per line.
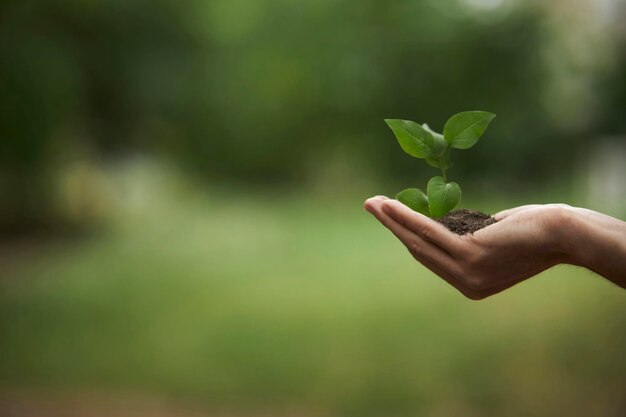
(461,131)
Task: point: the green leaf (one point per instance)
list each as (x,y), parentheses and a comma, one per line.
(463,130)
(436,161)
(440,145)
(415,199)
(442,196)
(413,138)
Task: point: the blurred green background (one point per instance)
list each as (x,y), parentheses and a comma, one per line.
(181,230)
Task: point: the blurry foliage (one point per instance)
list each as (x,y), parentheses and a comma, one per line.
(268,90)
(276,306)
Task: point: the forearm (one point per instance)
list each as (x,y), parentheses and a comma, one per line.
(597,242)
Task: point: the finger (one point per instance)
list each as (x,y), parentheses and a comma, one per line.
(374,206)
(430,255)
(369,203)
(506,213)
(453,280)
(423,226)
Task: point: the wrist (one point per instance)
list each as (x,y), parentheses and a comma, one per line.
(588,239)
(568,227)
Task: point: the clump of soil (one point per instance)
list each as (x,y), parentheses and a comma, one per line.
(466,221)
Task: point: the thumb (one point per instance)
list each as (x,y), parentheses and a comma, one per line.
(510,212)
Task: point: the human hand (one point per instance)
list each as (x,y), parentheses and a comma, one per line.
(525,241)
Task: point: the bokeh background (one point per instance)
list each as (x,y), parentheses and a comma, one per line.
(181,223)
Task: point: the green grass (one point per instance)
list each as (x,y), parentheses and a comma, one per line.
(267,302)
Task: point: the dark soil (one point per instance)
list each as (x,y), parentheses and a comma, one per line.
(466,221)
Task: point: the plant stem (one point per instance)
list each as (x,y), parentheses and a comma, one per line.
(442,164)
(443,170)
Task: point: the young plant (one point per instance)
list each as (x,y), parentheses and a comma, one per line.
(461,131)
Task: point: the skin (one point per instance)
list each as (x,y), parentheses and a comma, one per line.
(525,241)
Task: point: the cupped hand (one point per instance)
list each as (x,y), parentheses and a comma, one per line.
(525,241)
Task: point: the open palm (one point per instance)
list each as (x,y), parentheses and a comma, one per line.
(521,244)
